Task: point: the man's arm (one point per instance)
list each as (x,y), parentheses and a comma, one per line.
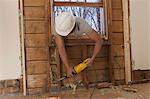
(62,51)
(98,43)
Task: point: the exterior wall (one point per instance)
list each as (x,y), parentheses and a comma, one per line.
(36,45)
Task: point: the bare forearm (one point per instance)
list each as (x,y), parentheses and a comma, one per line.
(63,56)
(97,48)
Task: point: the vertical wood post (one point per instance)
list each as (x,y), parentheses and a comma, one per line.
(126,41)
(22,48)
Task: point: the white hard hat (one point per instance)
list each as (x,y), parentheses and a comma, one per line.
(64,23)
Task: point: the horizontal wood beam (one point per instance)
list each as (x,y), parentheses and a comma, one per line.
(79,4)
(81,43)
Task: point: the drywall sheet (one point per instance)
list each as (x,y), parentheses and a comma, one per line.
(10,66)
(140,33)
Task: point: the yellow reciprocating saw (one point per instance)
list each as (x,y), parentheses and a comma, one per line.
(78,68)
(81,66)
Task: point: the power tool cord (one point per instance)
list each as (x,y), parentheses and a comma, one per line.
(93,91)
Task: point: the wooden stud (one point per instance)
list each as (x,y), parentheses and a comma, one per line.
(22,48)
(110,50)
(127,46)
(47,30)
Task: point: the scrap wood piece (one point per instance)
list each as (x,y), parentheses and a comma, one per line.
(129,89)
(139,81)
(103,85)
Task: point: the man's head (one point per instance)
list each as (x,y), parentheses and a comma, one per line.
(64,23)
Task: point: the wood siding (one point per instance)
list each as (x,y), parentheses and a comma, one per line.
(36,43)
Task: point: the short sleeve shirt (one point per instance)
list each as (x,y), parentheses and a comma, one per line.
(81,27)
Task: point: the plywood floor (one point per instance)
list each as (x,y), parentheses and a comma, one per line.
(116,92)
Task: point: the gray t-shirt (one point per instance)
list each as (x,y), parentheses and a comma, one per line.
(81,28)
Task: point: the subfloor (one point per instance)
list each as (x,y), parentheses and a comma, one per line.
(136,91)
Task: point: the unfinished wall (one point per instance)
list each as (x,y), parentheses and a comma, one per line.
(37,48)
(36,45)
(99,71)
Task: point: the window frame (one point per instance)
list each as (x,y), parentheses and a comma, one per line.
(82,4)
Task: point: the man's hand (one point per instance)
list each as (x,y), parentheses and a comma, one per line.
(90,62)
(70,72)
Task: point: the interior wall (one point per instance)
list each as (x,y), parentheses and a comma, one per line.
(10,66)
(140,36)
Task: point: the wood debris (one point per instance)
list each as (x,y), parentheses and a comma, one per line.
(103,85)
(129,89)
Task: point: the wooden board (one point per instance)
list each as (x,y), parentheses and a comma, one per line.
(36,40)
(34,12)
(36,81)
(97,75)
(118,50)
(119,62)
(102,53)
(140,75)
(117,14)
(99,64)
(117,39)
(74,52)
(36,54)
(117,26)
(34,2)
(116,4)
(119,74)
(127,45)
(34,27)
(36,67)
